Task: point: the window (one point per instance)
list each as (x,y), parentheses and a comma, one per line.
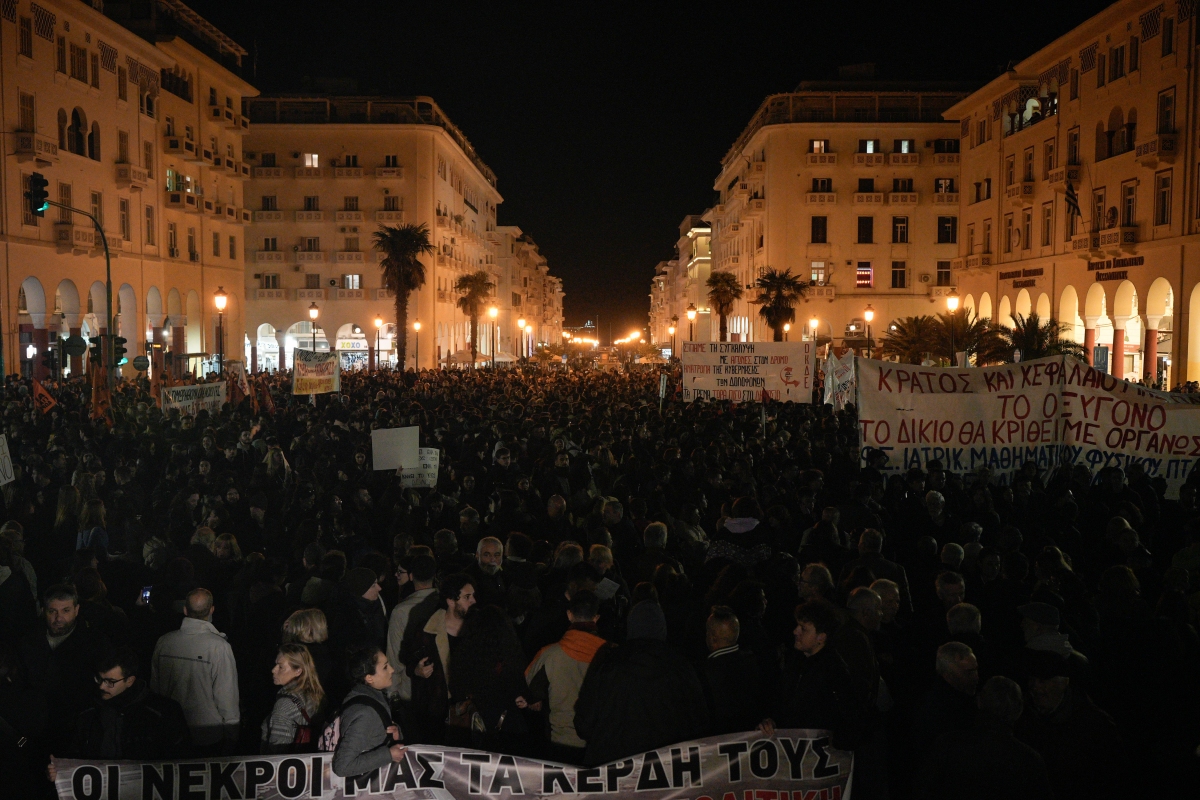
(1162,193)
(352,281)
(817,273)
(1008,233)
(270,280)
(902,184)
(391,161)
(947,230)
(945,145)
(982,132)
(820,230)
(1027,172)
(148,158)
(123,213)
(1047,224)
(818,145)
(191,243)
(987,236)
(899,230)
(64,198)
(822,184)
(1047,158)
(1168,36)
(351,161)
(233,247)
(441,167)
(1101,70)
(98,207)
(268,159)
(943,273)
(943,186)
(866,184)
(25,37)
(351,244)
(391,202)
(60,55)
(1116,63)
(312,280)
(312,160)
(970,238)
(904,146)
(270,202)
(1027,228)
(351,203)
(1133,54)
(150,238)
(864,276)
(1098,209)
(1073,146)
(270,244)
(866,230)
(122,84)
(216,244)
(79,63)
(188,133)
(1166,111)
(122,147)
(1128,202)
(95,70)
(311,244)
(869,146)
(312,203)
(899,275)
(1010,170)
(1074,84)
(172,240)
(30,218)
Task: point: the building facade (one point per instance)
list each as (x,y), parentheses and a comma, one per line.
(680,283)
(1107,113)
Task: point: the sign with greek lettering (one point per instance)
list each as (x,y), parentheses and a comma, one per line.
(792,764)
(839,379)
(425,474)
(1053,412)
(315,373)
(743,371)
(7,475)
(191,399)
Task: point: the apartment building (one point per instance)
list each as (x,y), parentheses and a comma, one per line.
(852,185)
(1106,114)
(680,283)
(84,99)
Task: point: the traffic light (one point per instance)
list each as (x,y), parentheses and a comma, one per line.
(96,351)
(119,351)
(37,196)
(50,360)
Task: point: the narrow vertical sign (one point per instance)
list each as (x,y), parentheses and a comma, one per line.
(6,467)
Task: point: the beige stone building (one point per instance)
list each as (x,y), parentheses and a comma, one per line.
(525,292)
(680,283)
(87,99)
(1108,112)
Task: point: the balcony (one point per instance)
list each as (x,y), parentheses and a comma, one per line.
(941,292)
(268,216)
(396,217)
(350,294)
(1161,147)
(382,294)
(206,155)
(74,235)
(978,261)
(443,296)
(1020,193)
(245,217)
(241,169)
(904,159)
(755,208)
(821,159)
(443,222)
(1059,177)
(212,208)
(266,172)
(310,216)
(742,189)
(231,166)
(945,198)
(1085,245)
(179,146)
(870,159)
(310,256)
(347,172)
(389,173)
(822,291)
(270,294)
(820,198)
(309,294)
(270,257)
(1120,239)
(216,162)
(902,198)
(869,198)
(347,216)
(756,171)
(308,172)
(243,123)
(39,149)
(443,260)
(135,178)
(946,159)
(184,201)
(232,214)
(223,116)
(351,257)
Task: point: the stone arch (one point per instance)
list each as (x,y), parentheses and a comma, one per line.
(1024,303)
(66,303)
(985,306)
(194,333)
(1042,308)
(300,334)
(77,132)
(174,303)
(127,313)
(1068,312)
(1096,302)
(1125,302)
(1160,298)
(968,305)
(1004,314)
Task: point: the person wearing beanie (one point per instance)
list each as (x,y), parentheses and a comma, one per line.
(640,695)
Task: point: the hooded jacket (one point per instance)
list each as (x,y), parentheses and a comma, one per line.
(556,673)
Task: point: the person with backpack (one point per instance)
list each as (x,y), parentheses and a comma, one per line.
(363,736)
(289,728)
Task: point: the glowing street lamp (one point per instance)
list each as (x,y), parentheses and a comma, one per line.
(521,325)
(868,315)
(812,328)
(313,313)
(952,304)
(787,326)
(417,346)
(378,330)
(494,312)
(691,315)
(220,299)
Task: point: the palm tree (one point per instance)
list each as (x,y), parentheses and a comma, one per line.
(910,339)
(959,331)
(1036,338)
(402,271)
(778,293)
(724,289)
(473,289)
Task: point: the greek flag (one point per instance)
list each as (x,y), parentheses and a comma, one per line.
(1073,201)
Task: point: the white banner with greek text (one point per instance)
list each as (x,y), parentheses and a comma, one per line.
(743,371)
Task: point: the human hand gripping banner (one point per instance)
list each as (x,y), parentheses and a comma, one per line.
(792,765)
(315,373)
(1052,412)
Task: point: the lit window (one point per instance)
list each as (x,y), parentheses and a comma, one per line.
(864,276)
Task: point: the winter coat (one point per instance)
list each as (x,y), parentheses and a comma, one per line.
(556,673)
(364,743)
(137,724)
(397,625)
(984,762)
(194,666)
(732,687)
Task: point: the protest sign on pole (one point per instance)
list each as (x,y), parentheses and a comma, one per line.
(1052,412)
(315,373)
(7,475)
(393,448)
(839,379)
(191,399)
(791,764)
(425,474)
(743,371)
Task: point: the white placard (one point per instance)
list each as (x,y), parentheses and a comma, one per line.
(425,475)
(190,400)
(743,371)
(6,467)
(393,448)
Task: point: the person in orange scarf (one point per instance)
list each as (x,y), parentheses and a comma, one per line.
(557,671)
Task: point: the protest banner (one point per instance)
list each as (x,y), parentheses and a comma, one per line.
(43,401)
(743,371)
(7,475)
(191,399)
(1051,411)
(839,379)
(425,474)
(315,373)
(792,764)
(393,448)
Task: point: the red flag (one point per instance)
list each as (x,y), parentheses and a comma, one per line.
(43,401)
(268,402)
(101,396)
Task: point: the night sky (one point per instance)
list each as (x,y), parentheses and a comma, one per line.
(605,124)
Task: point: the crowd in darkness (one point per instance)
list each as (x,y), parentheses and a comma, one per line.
(592,576)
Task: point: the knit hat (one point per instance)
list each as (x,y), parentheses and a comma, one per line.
(359,580)
(646,621)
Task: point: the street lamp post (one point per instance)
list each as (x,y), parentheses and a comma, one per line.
(787,326)
(952,304)
(417,346)
(494,312)
(220,299)
(869,315)
(378,330)
(313,313)
(521,325)
(671,332)
(812,330)
(691,315)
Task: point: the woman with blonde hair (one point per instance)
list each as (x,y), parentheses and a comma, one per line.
(290,728)
(226,548)
(308,627)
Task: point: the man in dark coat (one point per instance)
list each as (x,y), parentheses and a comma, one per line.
(640,695)
(949,705)
(730,676)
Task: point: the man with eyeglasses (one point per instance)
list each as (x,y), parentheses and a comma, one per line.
(128,720)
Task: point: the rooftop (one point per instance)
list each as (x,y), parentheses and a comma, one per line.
(307,109)
(161,20)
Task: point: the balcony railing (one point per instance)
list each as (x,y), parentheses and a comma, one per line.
(904,159)
(1019,193)
(755,207)
(350,294)
(179,146)
(1059,177)
(310,256)
(820,198)
(1085,245)
(821,159)
(268,216)
(347,216)
(1159,147)
(183,200)
(309,294)
(870,159)
(945,198)
(267,172)
(74,236)
(32,147)
(350,257)
(270,257)
(347,172)
(902,198)
(389,173)
(946,159)
(310,216)
(309,172)
(394,217)
(132,176)
(868,198)
(1121,238)
(978,261)
(270,294)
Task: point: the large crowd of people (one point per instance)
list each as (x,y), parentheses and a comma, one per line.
(592,576)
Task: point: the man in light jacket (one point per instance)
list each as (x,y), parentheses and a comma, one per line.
(194,666)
